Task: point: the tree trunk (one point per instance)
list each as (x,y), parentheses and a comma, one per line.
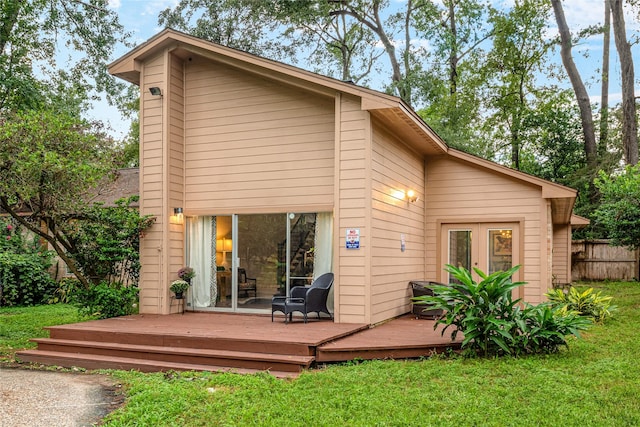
(604,92)
(453,55)
(582,97)
(374,23)
(55,244)
(629,119)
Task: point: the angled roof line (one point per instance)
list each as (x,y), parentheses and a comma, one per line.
(126,68)
(550,189)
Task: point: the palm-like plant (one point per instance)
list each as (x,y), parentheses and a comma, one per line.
(491,321)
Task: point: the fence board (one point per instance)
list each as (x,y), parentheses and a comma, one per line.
(598,260)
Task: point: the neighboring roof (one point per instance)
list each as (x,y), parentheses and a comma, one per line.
(126,184)
(399,117)
(562,198)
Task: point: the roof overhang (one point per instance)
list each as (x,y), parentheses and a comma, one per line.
(578,222)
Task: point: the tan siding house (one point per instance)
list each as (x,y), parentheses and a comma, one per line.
(258,169)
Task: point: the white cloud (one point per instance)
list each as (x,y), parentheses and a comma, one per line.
(115,4)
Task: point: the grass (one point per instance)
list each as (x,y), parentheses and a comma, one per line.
(594,383)
(19,324)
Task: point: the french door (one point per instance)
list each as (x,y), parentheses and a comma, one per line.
(490,247)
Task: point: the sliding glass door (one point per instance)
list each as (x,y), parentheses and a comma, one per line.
(242,261)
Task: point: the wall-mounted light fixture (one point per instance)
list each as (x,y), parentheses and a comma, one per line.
(412,196)
(177,217)
(155,91)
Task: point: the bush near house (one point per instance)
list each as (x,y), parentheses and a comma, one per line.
(492,322)
(106,244)
(24,279)
(587,303)
(106,300)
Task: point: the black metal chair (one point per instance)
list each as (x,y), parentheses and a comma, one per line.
(305,299)
(246,284)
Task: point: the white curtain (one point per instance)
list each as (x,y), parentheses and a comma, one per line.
(323,259)
(202,260)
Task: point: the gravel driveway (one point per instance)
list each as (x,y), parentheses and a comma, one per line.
(43,398)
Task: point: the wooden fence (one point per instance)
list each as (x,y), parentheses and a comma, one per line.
(597,260)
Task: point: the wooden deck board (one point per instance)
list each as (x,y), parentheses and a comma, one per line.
(213,341)
(256,328)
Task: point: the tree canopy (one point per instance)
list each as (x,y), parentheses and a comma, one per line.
(482,73)
(31,32)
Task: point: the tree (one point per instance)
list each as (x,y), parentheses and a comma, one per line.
(553,132)
(240,24)
(514,62)
(619,212)
(604,92)
(629,118)
(582,97)
(49,163)
(338,46)
(404,66)
(30,32)
(452,84)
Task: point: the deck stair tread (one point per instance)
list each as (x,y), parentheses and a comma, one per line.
(96,361)
(180,351)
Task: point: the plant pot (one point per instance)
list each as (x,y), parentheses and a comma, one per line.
(179,295)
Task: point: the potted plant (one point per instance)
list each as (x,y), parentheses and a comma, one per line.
(179,287)
(186,274)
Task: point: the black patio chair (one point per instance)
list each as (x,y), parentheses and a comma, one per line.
(305,299)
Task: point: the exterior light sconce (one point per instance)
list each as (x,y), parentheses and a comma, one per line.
(412,196)
(177,217)
(155,91)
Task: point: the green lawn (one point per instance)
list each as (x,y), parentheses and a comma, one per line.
(18,325)
(594,383)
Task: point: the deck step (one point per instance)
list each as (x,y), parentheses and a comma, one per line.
(325,355)
(162,338)
(96,361)
(198,356)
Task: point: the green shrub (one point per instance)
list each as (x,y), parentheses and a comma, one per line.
(66,292)
(587,303)
(24,279)
(492,322)
(106,300)
(542,328)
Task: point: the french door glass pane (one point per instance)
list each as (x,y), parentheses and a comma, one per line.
(460,249)
(500,250)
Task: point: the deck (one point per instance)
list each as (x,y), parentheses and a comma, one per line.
(230,342)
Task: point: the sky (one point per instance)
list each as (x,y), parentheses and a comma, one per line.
(140,18)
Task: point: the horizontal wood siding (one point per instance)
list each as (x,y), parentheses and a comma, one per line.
(254,144)
(460,192)
(561,271)
(152,291)
(395,168)
(175,116)
(353,145)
